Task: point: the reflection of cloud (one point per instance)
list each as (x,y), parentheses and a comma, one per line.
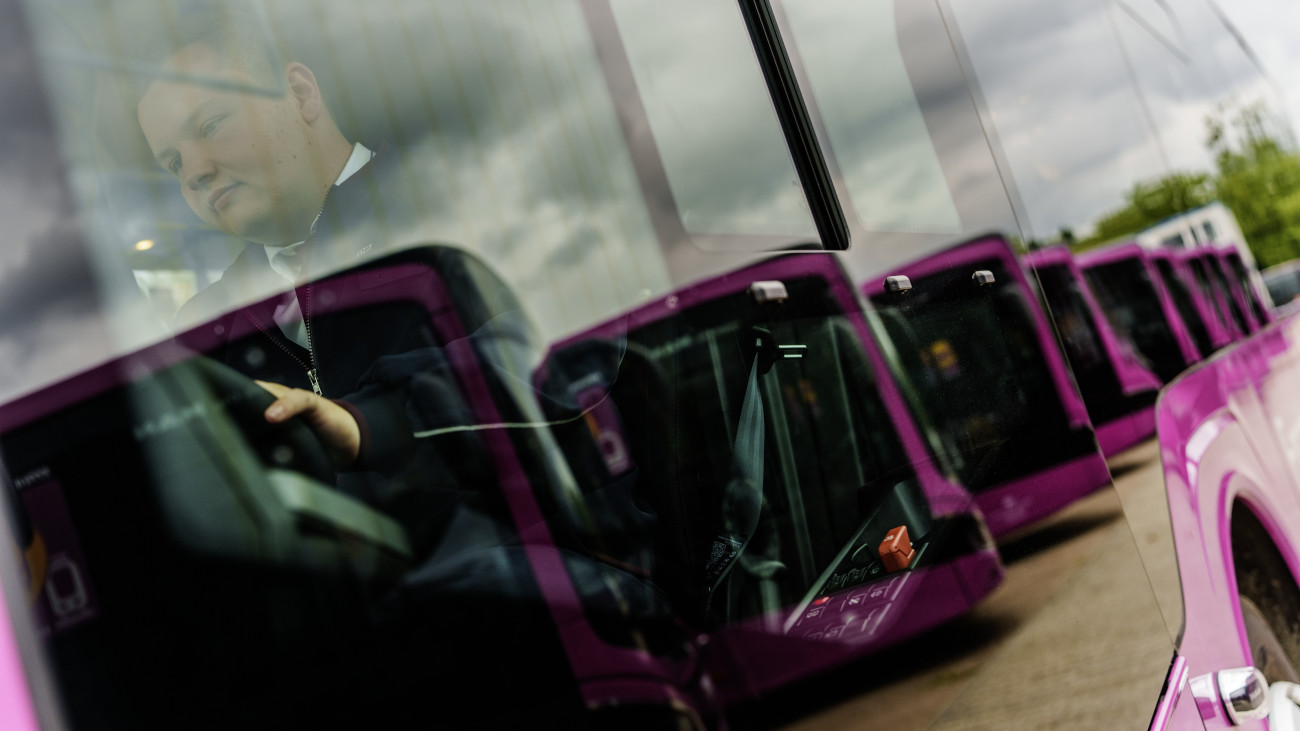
(1270,28)
(513,141)
(48,325)
(503,114)
(1062,98)
(583,242)
(715,128)
(874,120)
(516,150)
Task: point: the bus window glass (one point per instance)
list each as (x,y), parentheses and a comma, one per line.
(1283,285)
(1088,360)
(1206,291)
(713,122)
(953,337)
(1132,303)
(509,138)
(1058,61)
(1224,294)
(1238,270)
(873,121)
(520,187)
(1052,74)
(1156,17)
(823,403)
(1186,309)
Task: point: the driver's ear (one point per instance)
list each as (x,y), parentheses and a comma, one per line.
(304,91)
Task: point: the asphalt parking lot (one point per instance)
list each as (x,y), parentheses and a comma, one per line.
(1079,635)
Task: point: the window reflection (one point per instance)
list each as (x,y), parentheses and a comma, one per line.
(873,119)
(714,126)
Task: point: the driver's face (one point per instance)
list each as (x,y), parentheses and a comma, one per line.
(245,162)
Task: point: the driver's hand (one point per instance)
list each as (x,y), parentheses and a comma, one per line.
(332,423)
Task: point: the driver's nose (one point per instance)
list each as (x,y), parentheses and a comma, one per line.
(197,171)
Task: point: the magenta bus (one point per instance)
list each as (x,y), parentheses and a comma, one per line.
(970,312)
(595,424)
(1119,391)
(1134,291)
(1241,282)
(1200,314)
(258,520)
(1252,285)
(607,538)
(1209,281)
(777,353)
(1233,496)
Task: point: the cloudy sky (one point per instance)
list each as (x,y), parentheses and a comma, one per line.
(540,162)
(1272,28)
(1088,97)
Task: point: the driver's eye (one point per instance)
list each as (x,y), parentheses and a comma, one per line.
(174,166)
(210,126)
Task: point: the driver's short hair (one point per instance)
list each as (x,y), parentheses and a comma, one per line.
(234,34)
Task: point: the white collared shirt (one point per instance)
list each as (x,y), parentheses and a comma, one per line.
(285,262)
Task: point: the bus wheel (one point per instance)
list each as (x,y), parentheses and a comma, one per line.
(1265,649)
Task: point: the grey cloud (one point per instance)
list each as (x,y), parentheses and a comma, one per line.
(584,242)
(1063,102)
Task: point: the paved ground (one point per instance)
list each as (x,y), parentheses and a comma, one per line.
(1077,637)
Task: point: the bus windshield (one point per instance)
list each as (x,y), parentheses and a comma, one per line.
(1182,298)
(1131,300)
(837,465)
(1096,377)
(953,335)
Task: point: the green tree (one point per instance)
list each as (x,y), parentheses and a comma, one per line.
(1259,180)
(1257,177)
(1150,202)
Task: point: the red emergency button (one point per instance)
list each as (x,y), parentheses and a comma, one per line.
(819,602)
(896,551)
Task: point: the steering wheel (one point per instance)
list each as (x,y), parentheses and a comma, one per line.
(289,445)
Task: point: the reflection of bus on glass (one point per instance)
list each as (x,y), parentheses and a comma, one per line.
(1200,315)
(231,518)
(754,413)
(1119,391)
(1133,292)
(1210,283)
(665,515)
(1244,282)
(1234,284)
(1282,282)
(988,370)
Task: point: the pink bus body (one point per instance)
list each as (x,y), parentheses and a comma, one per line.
(1133,293)
(1234,492)
(1120,392)
(938,346)
(845,613)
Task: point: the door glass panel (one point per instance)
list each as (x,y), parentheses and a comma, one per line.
(575,476)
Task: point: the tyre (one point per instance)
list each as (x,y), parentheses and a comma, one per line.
(1266,650)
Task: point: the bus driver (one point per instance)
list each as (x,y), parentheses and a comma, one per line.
(260,168)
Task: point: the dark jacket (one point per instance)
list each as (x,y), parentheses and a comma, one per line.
(393,336)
